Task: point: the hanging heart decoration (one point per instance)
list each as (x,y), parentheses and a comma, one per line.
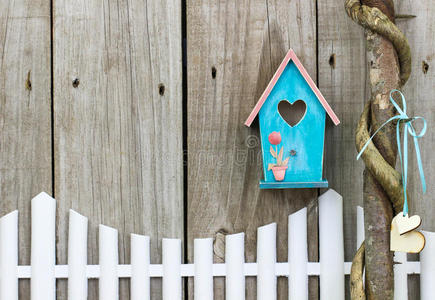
(410,242)
(403,235)
(405,223)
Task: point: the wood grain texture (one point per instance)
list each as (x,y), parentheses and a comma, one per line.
(234,48)
(118,123)
(25,120)
(118,141)
(418,91)
(342,73)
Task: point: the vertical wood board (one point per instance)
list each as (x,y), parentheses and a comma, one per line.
(118,116)
(418,92)
(25,119)
(342,74)
(233,50)
(118,123)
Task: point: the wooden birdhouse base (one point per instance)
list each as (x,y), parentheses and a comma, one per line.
(293,185)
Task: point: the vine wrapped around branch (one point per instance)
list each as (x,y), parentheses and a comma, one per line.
(388,177)
(383,190)
(372,18)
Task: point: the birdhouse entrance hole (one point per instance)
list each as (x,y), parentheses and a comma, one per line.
(292,113)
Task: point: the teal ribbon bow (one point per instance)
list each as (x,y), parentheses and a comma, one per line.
(403,117)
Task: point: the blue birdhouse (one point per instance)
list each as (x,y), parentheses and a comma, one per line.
(292,114)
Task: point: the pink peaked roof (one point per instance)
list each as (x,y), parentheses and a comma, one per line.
(291,56)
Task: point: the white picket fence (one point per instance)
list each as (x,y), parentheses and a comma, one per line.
(331,269)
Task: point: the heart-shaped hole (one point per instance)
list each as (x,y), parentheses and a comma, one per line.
(292,113)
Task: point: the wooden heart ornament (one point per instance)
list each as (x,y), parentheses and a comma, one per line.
(406,223)
(410,242)
(292,113)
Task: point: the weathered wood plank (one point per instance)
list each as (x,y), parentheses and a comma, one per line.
(418,91)
(118,122)
(25,101)
(342,73)
(234,48)
(419,94)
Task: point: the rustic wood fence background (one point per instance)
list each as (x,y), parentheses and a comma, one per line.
(131,113)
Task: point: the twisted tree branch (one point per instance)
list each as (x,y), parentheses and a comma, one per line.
(374,19)
(383,189)
(382,171)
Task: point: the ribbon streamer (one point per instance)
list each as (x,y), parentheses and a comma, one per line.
(408,128)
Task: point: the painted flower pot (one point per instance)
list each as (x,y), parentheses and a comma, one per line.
(279,173)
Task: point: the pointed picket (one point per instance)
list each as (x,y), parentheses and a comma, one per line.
(427,266)
(298,255)
(331,246)
(108,253)
(77,256)
(9,256)
(140,264)
(400,276)
(171,258)
(203,259)
(266,260)
(234,262)
(43,251)
(360,235)
(331,269)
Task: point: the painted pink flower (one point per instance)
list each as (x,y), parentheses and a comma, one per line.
(275,138)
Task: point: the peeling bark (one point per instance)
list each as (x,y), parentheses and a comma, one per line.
(374,16)
(378,211)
